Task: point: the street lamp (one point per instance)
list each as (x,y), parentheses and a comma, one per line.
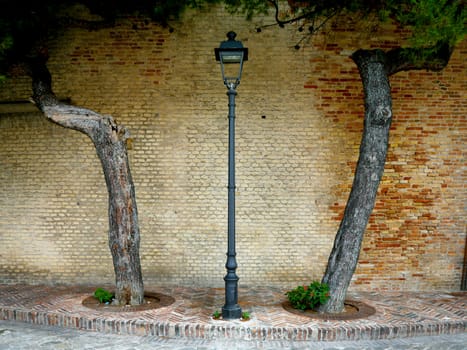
(231,55)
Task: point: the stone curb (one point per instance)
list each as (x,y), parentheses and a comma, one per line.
(230,330)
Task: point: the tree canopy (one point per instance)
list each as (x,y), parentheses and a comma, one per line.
(431,21)
(25,23)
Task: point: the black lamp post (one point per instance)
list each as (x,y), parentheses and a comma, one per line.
(231,55)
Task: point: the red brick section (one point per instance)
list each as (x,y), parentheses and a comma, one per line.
(116,51)
(420,205)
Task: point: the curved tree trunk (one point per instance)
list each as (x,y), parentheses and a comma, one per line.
(373,149)
(110,142)
(375,67)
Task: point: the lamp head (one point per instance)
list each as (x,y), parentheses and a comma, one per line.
(231,54)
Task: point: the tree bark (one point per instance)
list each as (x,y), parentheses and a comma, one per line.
(109,138)
(375,67)
(373,149)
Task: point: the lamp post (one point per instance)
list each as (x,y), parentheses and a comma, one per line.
(231,55)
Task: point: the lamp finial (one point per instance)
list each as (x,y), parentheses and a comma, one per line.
(231,35)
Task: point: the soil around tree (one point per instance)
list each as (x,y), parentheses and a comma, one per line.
(352,310)
(151,301)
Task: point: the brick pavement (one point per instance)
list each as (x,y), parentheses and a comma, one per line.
(398,315)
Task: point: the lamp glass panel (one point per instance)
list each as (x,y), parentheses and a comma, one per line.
(231,62)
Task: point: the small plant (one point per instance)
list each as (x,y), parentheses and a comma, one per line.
(310,297)
(216,314)
(104,296)
(246,316)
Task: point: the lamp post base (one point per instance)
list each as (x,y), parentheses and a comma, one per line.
(231,312)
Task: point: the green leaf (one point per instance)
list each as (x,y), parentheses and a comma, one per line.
(307,299)
(103,295)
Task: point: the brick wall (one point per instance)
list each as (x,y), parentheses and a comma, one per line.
(299,122)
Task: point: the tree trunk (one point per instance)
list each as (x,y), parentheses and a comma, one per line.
(124,236)
(110,142)
(373,149)
(375,67)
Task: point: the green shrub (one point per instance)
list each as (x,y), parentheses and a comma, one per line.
(246,315)
(310,297)
(104,296)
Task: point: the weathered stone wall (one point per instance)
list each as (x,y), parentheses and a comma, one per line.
(299,123)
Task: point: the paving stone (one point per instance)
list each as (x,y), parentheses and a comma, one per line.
(22,336)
